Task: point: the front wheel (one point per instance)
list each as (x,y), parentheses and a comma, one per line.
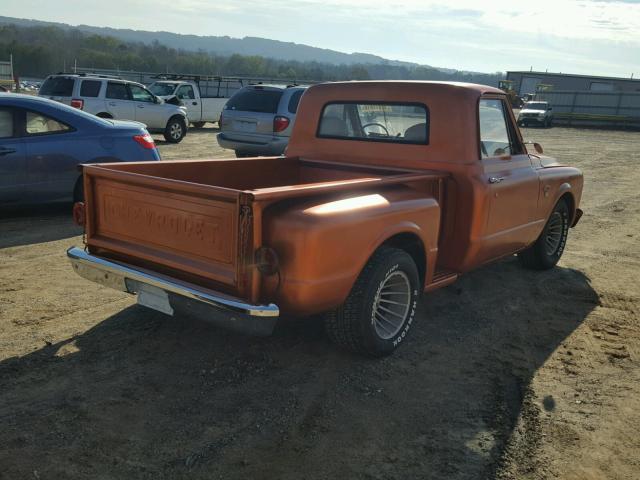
(547,250)
(176,130)
(377,315)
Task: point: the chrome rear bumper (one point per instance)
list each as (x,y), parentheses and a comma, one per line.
(220,309)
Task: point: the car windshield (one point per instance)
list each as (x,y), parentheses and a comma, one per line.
(535,106)
(255,100)
(162,89)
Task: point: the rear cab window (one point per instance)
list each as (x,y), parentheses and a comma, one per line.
(57,87)
(375,121)
(90,88)
(256,99)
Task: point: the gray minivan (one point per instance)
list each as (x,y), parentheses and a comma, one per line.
(258,119)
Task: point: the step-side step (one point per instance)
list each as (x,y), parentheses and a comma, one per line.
(442,278)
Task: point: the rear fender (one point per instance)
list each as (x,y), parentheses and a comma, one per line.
(322,252)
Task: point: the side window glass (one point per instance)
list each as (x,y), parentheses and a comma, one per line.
(494,135)
(38,124)
(294,101)
(117,91)
(139,94)
(6,123)
(90,88)
(186,91)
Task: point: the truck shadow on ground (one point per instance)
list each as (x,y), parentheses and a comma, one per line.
(37,224)
(142,395)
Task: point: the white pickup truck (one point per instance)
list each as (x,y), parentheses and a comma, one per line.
(200,108)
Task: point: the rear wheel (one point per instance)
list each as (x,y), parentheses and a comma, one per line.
(377,315)
(104,115)
(547,250)
(176,130)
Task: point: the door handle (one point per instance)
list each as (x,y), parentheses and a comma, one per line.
(495,179)
(113,104)
(6,151)
(140,106)
(194,103)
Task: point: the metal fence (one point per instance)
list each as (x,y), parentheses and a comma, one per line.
(210,85)
(583,108)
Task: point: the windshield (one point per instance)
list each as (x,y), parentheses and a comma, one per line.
(536,106)
(162,89)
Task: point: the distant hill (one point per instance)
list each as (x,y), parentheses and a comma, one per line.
(226,45)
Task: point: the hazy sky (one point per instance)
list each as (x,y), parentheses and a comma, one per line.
(600,37)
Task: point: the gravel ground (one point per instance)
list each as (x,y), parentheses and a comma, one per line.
(509,374)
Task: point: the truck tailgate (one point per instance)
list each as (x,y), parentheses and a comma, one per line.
(184,227)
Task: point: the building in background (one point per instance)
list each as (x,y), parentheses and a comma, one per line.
(7,81)
(529,82)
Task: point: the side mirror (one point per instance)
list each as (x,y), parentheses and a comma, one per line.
(536,146)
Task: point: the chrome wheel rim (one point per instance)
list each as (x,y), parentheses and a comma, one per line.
(391,305)
(553,237)
(176,131)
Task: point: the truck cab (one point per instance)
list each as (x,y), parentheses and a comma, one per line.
(387,190)
(199,109)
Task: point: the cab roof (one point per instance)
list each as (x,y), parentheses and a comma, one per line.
(452,122)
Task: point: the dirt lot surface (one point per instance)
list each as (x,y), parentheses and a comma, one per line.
(509,373)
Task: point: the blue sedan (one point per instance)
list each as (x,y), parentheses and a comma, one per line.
(42,142)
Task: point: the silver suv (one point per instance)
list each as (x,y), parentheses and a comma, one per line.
(258,119)
(110,97)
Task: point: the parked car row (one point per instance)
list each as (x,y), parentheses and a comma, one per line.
(42,141)
(256,120)
(118,99)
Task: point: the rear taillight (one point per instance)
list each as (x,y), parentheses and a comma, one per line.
(78,213)
(280,123)
(77,103)
(146,141)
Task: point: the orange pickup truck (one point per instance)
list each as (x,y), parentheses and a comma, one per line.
(387,189)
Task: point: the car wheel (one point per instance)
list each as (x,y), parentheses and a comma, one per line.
(547,249)
(240,154)
(176,130)
(198,124)
(104,115)
(377,315)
